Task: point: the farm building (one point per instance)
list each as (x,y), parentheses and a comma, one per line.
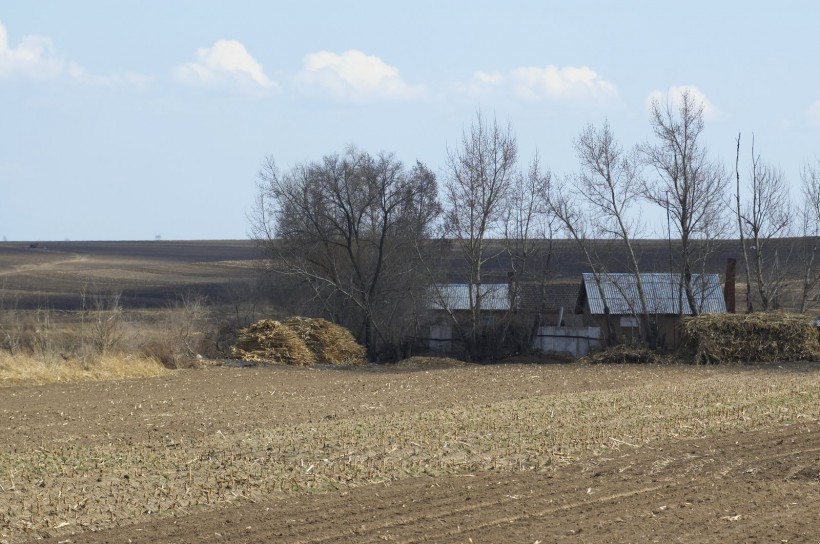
(665,300)
(525,308)
(452,302)
(549,303)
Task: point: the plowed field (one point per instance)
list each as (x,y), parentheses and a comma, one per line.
(515,453)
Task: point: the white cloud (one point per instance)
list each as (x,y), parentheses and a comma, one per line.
(548,83)
(356,76)
(32,57)
(488,78)
(673,95)
(814,114)
(129,79)
(35,57)
(226,62)
(532,83)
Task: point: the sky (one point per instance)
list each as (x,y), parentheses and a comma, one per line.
(138,119)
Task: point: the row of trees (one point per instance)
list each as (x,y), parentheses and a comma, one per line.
(769,213)
(361,233)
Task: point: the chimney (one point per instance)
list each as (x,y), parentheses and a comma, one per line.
(729,286)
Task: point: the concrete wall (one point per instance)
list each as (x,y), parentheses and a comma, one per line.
(440,340)
(576,341)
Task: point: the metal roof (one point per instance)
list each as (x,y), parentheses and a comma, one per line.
(549,297)
(456,296)
(663,292)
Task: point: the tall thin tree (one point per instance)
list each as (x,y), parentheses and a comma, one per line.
(480,173)
(688,185)
(766,216)
(609,181)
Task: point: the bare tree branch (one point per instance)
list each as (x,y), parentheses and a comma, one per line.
(688,185)
(767,215)
(347,227)
(480,173)
(810,232)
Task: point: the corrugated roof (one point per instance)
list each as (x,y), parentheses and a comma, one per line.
(456,296)
(662,290)
(550,297)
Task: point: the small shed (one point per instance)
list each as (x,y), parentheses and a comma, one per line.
(665,300)
(457,299)
(549,304)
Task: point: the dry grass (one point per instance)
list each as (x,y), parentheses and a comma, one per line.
(27,369)
(624,354)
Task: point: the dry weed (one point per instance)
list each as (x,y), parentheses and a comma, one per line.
(26,369)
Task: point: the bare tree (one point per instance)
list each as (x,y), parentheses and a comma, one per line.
(106,328)
(610,183)
(11,322)
(810,233)
(565,206)
(526,217)
(480,173)
(688,185)
(187,319)
(740,230)
(597,202)
(528,226)
(767,215)
(346,227)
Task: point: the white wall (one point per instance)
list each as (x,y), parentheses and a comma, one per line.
(577,341)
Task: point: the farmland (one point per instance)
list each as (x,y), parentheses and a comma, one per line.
(424,450)
(148,274)
(489,453)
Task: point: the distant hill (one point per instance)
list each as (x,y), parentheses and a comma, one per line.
(567,261)
(150,273)
(147,273)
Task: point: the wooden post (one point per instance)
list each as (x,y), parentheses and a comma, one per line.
(729,286)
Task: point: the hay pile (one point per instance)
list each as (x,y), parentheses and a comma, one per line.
(750,338)
(298,341)
(624,354)
(270,341)
(330,343)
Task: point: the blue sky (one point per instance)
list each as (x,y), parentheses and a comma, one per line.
(128,119)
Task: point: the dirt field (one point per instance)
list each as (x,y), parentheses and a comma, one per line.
(148,274)
(516,453)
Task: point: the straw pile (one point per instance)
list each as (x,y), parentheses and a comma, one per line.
(624,354)
(330,343)
(750,338)
(272,342)
(298,341)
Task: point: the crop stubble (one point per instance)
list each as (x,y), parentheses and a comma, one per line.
(98,456)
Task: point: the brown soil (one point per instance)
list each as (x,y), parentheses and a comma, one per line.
(752,487)
(148,274)
(752,482)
